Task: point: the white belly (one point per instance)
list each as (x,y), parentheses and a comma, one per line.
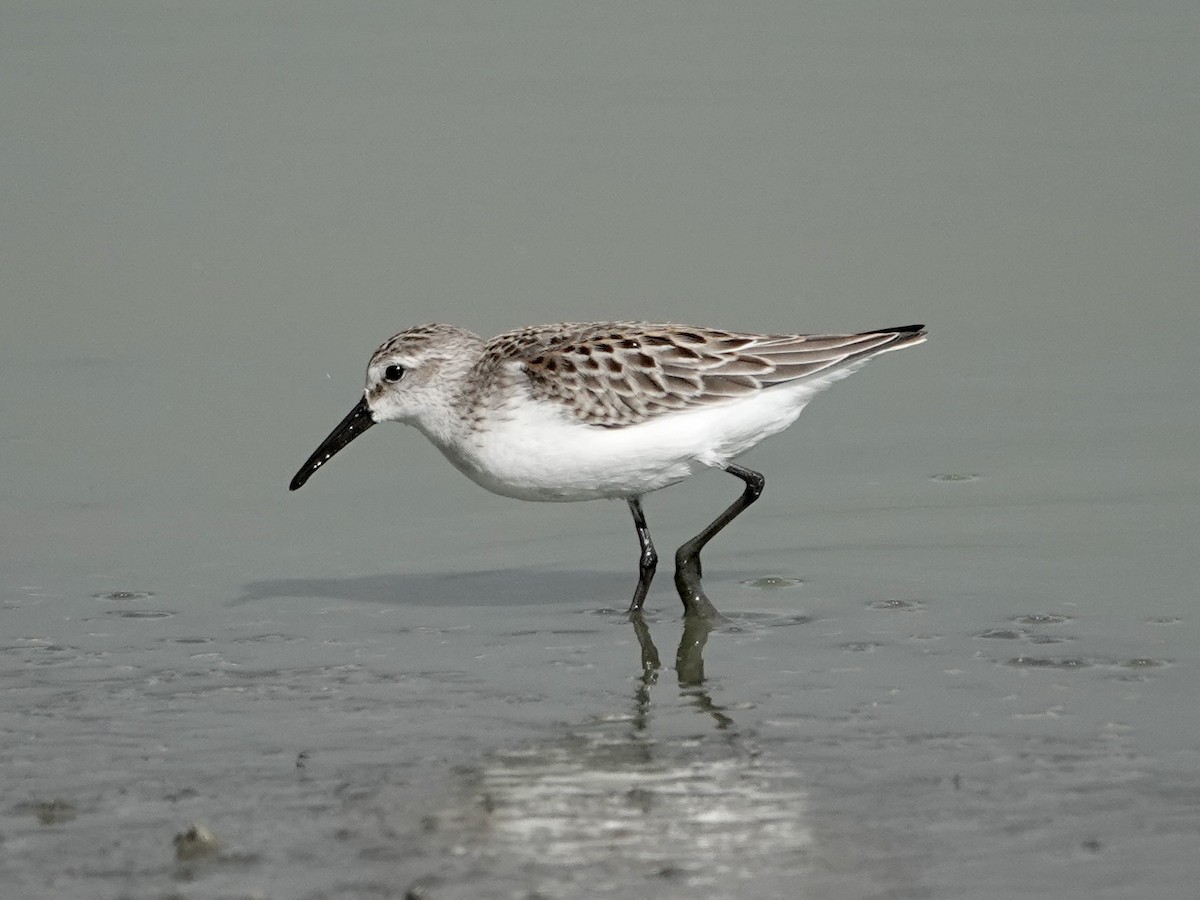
(537,454)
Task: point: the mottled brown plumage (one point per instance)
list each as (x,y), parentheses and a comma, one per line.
(615,374)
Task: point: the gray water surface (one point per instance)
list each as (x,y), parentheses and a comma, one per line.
(960,650)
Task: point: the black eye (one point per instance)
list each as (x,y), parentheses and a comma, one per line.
(393,373)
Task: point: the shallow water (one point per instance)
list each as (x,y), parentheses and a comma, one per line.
(959,652)
(338,748)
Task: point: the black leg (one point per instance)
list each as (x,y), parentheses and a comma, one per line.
(687,557)
(649,559)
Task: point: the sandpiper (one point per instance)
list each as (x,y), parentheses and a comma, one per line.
(578,411)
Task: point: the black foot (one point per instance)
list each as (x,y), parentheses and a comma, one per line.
(648,561)
(687,557)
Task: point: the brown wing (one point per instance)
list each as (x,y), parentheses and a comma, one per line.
(621,373)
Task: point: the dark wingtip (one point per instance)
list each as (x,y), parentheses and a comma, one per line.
(902,329)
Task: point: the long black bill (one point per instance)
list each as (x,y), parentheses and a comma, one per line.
(348,429)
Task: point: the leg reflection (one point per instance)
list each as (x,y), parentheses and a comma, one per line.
(689,658)
(650,660)
(689,666)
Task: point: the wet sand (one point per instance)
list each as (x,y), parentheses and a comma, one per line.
(341,747)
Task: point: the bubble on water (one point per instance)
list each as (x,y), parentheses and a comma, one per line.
(1042,662)
(897,605)
(1142,663)
(772,582)
(860,646)
(1048,639)
(1041,619)
(746,622)
(124,595)
(1000,634)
